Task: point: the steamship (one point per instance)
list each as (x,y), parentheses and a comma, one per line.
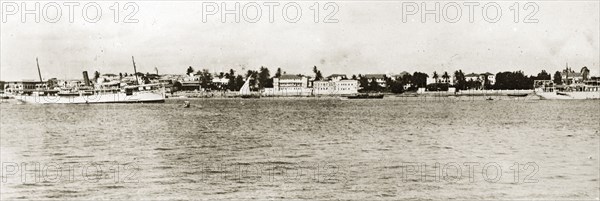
(105,93)
(574,86)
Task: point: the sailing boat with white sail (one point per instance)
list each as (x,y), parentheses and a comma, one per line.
(245,90)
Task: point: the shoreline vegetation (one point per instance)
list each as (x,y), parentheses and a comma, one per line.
(204,84)
(457,82)
(395,84)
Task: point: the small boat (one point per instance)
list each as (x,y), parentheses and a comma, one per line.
(489,98)
(366,96)
(186,104)
(517,95)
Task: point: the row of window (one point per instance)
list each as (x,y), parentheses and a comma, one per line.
(338,88)
(20,86)
(346,84)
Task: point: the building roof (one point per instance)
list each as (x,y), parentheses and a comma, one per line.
(289,77)
(321,81)
(573,74)
(376,76)
(472,75)
(26,81)
(487,73)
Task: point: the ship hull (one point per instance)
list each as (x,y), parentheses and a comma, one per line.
(145,97)
(579,95)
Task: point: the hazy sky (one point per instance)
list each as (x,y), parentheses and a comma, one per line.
(370,37)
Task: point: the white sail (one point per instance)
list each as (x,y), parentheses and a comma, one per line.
(245,90)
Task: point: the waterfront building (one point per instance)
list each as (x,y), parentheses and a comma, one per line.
(290,85)
(323,87)
(472,76)
(399,76)
(346,87)
(569,76)
(187,85)
(24,87)
(335,87)
(190,82)
(221,83)
(491,78)
(379,78)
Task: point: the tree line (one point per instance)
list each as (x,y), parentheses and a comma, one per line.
(260,79)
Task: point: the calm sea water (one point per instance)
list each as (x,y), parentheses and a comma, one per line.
(302,149)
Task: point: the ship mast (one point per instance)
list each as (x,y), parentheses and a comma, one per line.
(38,67)
(135,71)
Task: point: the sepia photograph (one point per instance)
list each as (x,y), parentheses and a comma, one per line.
(299,100)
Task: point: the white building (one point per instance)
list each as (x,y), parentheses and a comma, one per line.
(399,75)
(472,77)
(346,87)
(20,87)
(289,85)
(490,77)
(481,78)
(332,87)
(568,76)
(220,81)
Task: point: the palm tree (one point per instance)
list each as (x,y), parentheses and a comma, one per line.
(446,77)
(318,75)
(278,73)
(435,76)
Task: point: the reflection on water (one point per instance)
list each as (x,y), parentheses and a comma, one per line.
(302,149)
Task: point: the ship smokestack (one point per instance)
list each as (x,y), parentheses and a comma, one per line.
(86,79)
